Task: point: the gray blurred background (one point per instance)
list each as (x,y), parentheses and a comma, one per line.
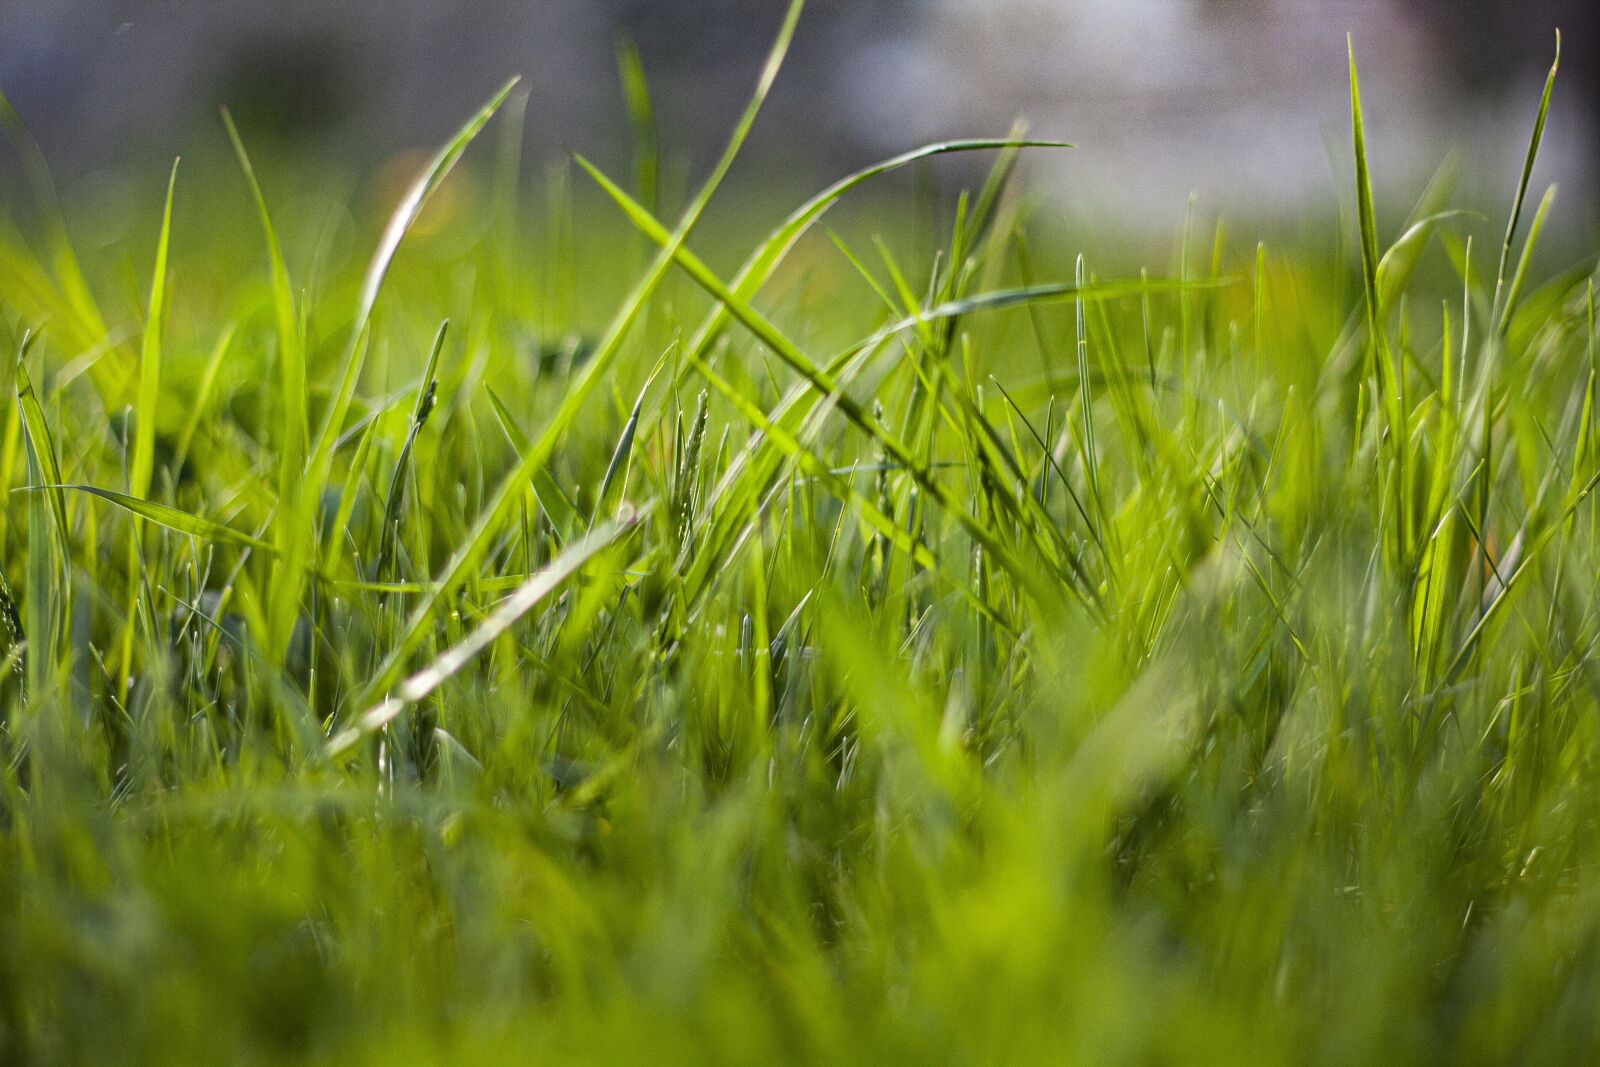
(1240,101)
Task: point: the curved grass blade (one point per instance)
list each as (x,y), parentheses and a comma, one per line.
(350,490)
(288,584)
(40,628)
(1523,183)
(202,398)
(416,198)
(538,453)
(144,433)
(41,446)
(163,515)
(1520,278)
(1399,264)
(765,260)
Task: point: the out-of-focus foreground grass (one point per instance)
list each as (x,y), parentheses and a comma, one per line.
(921,650)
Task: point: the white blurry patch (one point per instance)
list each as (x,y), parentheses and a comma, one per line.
(1245,104)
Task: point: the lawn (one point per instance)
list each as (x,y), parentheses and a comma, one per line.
(527,631)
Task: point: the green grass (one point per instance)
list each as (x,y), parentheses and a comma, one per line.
(898,648)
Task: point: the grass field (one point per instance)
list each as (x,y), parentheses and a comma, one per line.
(530,641)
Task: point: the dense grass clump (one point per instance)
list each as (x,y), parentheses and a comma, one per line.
(902,657)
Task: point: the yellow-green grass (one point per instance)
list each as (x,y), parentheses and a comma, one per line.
(852,654)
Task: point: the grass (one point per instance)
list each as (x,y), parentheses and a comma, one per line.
(852,655)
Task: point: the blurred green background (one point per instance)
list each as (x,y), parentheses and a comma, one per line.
(1236,100)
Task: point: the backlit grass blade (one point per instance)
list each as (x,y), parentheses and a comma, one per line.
(349,492)
(1366,214)
(291,355)
(615,479)
(42,450)
(1525,260)
(505,615)
(172,518)
(765,260)
(416,199)
(1386,374)
(1091,455)
(202,399)
(289,581)
(48,581)
(149,398)
(1398,266)
(1524,182)
(472,550)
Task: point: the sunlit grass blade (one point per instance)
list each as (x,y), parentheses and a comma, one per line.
(149,398)
(614,482)
(203,396)
(505,615)
(1520,278)
(1524,182)
(172,518)
(1385,374)
(765,260)
(291,358)
(42,451)
(289,581)
(48,580)
(534,458)
(422,407)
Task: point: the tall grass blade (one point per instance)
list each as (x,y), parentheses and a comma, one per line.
(289,582)
(1525,181)
(472,550)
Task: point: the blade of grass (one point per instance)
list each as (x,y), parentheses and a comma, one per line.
(1524,261)
(614,482)
(1523,183)
(505,615)
(149,399)
(163,515)
(472,550)
(1384,371)
(42,452)
(419,416)
(289,580)
(563,514)
(291,359)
